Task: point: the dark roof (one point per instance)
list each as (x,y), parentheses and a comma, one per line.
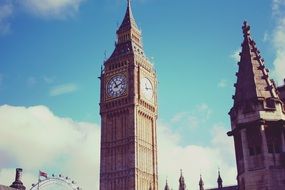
(253,80)
(2,187)
(129,20)
(234,187)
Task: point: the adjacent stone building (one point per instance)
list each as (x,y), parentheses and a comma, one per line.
(257,120)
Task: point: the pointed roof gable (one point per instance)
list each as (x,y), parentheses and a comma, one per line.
(253,82)
(219,180)
(129,20)
(166,186)
(201,183)
(129,40)
(182,185)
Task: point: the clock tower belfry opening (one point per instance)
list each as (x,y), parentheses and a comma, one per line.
(128,109)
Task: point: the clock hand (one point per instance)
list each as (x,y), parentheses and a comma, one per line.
(147,88)
(117,85)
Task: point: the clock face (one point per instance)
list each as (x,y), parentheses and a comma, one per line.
(117,85)
(146,88)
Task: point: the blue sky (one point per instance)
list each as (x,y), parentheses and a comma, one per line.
(51,53)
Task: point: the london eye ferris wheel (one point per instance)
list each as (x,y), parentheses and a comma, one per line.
(45,182)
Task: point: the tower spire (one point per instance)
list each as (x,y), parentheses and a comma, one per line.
(129,20)
(201,183)
(128,36)
(253,83)
(130,9)
(219,180)
(257,121)
(182,185)
(166,186)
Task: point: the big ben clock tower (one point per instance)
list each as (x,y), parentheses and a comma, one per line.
(128,108)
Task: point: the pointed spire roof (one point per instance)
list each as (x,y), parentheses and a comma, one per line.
(253,81)
(182,185)
(219,180)
(181,179)
(129,20)
(129,40)
(166,186)
(201,183)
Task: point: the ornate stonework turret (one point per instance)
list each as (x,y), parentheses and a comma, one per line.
(129,38)
(201,183)
(219,181)
(253,82)
(18,184)
(166,186)
(258,121)
(182,185)
(128,21)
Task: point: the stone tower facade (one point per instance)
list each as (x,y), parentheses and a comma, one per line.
(258,121)
(128,109)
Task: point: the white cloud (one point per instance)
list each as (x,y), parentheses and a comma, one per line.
(195,159)
(6,11)
(277,7)
(279,40)
(52,8)
(63,89)
(223,83)
(37,139)
(193,118)
(235,55)
(49,9)
(204,109)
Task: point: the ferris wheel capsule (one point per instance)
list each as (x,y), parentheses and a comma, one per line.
(55,180)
